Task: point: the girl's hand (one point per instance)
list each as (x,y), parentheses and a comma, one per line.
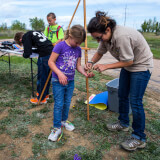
(62,79)
(100,67)
(91,74)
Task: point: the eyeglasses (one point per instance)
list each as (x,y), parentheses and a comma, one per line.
(99,38)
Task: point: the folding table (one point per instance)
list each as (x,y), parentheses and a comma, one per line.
(7,52)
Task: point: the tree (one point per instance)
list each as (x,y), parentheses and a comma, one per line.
(151,26)
(144,26)
(3,26)
(149,23)
(157,28)
(37,24)
(17,25)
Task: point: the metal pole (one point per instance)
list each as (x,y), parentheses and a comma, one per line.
(9,60)
(32,77)
(125,15)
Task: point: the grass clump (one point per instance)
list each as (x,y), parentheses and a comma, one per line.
(152,151)
(153,126)
(2,146)
(21,131)
(41,144)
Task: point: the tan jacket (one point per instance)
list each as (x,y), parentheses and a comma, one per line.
(128,44)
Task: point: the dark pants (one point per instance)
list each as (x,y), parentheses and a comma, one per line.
(132,86)
(43,72)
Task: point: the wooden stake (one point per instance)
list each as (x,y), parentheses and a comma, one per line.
(73,15)
(50,72)
(84,48)
(86,57)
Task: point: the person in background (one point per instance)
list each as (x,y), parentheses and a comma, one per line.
(64,60)
(135,59)
(53,31)
(37,40)
(55,34)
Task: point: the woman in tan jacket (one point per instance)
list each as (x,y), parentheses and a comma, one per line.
(135,59)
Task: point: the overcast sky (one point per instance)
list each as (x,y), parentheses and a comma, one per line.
(136,11)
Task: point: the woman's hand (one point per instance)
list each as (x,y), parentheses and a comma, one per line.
(88,66)
(62,79)
(100,67)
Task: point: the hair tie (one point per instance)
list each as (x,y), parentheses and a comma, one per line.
(100,14)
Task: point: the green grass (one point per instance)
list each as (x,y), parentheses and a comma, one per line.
(156,53)
(93,83)
(18,60)
(153,126)
(6,37)
(21,115)
(91,43)
(8,34)
(154,43)
(41,144)
(153,114)
(152,151)
(81,152)
(13,154)
(2,146)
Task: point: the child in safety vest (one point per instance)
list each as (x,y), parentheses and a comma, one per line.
(53,31)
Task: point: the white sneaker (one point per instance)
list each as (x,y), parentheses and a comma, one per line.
(68,125)
(55,132)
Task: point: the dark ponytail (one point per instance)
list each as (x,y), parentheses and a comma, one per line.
(100,23)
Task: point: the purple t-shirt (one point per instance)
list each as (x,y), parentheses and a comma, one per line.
(67,59)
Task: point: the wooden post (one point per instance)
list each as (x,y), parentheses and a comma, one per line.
(86,57)
(50,72)
(73,14)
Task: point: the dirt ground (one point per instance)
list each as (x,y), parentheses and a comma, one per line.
(24,145)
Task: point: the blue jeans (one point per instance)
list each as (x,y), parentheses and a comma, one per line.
(62,95)
(132,86)
(43,72)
